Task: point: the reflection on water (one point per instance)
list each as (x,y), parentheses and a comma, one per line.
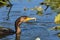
(17,37)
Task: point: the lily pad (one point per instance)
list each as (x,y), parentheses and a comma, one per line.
(37,8)
(57,19)
(2,3)
(39,13)
(54,4)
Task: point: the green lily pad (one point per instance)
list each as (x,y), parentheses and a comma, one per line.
(39,13)
(54,4)
(57,19)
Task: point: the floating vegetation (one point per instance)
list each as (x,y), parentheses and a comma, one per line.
(25,9)
(2,4)
(39,10)
(44,3)
(7,4)
(54,4)
(57,19)
(58,34)
(58,13)
(55,28)
(39,13)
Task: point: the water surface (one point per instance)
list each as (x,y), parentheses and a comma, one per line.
(31,30)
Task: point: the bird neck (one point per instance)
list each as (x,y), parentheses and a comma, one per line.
(18,30)
(17,27)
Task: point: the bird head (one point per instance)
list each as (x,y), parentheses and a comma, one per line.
(23,19)
(26,18)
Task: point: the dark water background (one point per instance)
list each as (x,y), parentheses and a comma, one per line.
(30,31)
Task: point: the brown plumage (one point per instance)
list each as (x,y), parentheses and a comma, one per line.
(7,31)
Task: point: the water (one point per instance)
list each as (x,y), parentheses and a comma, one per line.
(32,30)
